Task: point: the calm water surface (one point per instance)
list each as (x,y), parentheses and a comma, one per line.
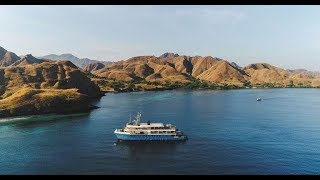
(229,133)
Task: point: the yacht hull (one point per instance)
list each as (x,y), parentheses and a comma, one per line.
(138,137)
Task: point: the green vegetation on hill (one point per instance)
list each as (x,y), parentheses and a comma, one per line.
(112,85)
(198,84)
(291,84)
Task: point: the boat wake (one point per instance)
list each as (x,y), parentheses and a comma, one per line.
(274,98)
(8,120)
(39,118)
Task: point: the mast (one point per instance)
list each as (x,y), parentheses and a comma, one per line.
(137,120)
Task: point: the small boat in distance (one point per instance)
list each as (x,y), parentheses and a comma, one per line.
(136,131)
(258,99)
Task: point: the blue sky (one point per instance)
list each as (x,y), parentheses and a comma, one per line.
(285,36)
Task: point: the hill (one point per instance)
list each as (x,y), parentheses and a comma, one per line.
(262,73)
(94,67)
(7,58)
(82,63)
(171,67)
(28,60)
(28,101)
(47,75)
(35,86)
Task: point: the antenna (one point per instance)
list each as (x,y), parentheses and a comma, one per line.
(130,119)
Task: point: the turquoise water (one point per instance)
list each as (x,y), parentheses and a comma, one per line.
(229,133)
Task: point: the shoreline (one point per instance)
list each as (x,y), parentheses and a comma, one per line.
(170,89)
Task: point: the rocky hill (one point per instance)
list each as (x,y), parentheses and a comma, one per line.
(29,101)
(169,55)
(47,75)
(150,68)
(260,73)
(7,58)
(175,68)
(306,72)
(94,67)
(28,60)
(80,62)
(235,65)
(36,86)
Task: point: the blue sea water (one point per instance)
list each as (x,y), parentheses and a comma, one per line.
(229,133)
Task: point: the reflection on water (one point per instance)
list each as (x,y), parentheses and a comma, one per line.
(134,149)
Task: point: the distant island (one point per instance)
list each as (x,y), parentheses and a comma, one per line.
(67,84)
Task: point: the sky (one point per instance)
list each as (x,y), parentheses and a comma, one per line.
(284,36)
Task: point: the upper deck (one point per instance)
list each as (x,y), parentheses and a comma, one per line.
(150,126)
(142,125)
(136,125)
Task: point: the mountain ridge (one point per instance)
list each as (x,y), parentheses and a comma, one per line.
(80,62)
(182,68)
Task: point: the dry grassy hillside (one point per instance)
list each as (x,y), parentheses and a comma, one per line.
(7,58)
(174,68)
(94,67)
(28,60)
(223,72)
(37,86)
(150,68)
(46,75)
(265,73)
(27,101)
